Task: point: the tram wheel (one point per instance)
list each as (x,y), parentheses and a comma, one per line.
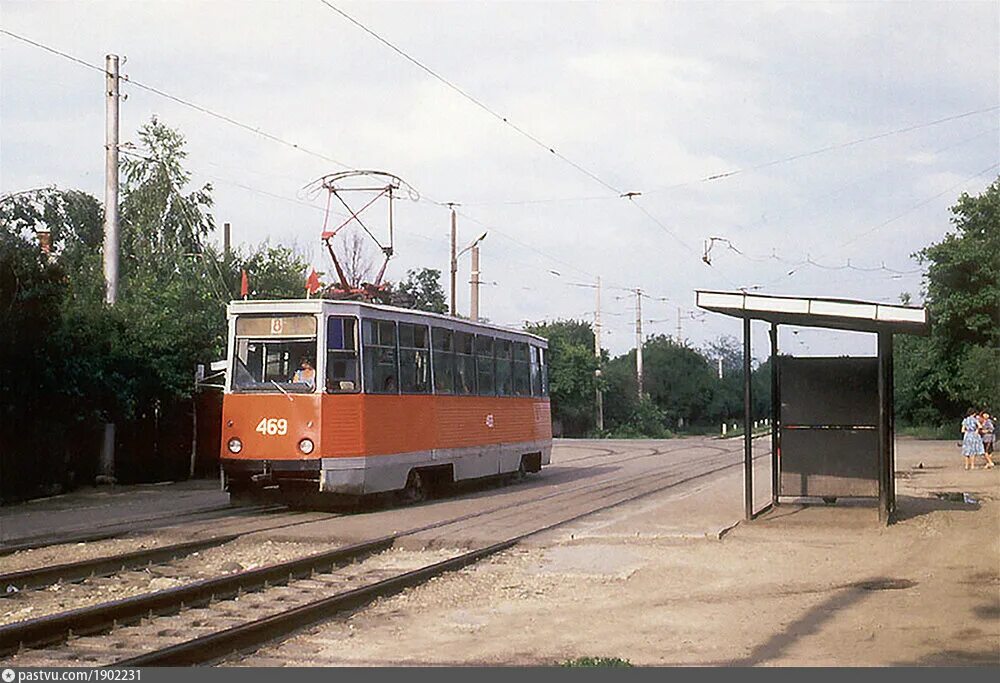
(416,489)
(829,500)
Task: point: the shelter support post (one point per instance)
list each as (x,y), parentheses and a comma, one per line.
(886,488)
(747,425)
(775,415)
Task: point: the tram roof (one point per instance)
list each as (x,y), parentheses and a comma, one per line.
(841,314)
(320,305)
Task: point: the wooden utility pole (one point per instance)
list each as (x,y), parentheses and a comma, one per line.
(226,240)
(106,466)
(597,352)
(638,340)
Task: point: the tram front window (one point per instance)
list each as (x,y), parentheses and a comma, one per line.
(266,359)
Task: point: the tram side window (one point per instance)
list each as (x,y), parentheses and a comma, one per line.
(465,363)
(484,365)
(443,358)
(522,373)
(536,376)
(504,370)
(543,362)
(341,355)
(414,359)
(380,358)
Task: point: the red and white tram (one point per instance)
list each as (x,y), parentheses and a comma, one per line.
(352,398)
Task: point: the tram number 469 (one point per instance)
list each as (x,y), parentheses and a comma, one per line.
(269,426)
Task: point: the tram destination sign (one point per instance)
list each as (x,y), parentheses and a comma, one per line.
(276,326)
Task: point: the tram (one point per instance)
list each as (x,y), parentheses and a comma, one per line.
(342,399)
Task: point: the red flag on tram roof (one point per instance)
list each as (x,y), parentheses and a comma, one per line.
(244,285)
(312,282)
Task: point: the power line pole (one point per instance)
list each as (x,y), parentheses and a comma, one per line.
(454,261)
(597,352)
(106,468)
(679,339)
(474,304)
(638,340)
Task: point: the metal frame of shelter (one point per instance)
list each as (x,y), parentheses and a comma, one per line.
(840,314)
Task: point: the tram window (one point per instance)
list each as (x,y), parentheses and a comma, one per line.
(380,357)
(484,365)
(522,373)
(504,370)
(536,377)
(341,355)
(465,363)
(443,355)
(543,363)
(414,359)
(271,364)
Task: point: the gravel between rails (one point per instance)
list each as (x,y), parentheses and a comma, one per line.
(127,641)
(241,554)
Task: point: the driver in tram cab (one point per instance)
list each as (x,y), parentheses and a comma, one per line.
(306,374)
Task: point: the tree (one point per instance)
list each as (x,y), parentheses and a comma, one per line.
(421,290)
(938,376)
(572,380)
(157,217)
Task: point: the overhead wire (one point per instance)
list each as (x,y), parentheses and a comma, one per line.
(479,103)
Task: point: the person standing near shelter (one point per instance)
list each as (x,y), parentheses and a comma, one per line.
(987,432)
(972,442)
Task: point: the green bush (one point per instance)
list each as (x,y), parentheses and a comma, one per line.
(597,661)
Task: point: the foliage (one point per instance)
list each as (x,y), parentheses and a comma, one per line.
(572,380)
(421,290)
(157,217)
(67,355)
(646,421)
(956,366)
(597,662)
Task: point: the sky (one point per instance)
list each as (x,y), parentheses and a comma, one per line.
(843,133)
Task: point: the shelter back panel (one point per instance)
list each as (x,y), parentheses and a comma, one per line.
(829,426)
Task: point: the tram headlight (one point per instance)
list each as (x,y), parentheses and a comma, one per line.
(306,446)
(234,445)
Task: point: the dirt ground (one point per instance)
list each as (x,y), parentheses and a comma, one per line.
(804,586)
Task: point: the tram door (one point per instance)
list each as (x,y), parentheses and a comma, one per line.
(829,427)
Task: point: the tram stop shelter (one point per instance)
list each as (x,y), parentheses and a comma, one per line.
(832,428)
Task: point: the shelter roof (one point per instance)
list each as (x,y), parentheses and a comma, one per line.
(840,314)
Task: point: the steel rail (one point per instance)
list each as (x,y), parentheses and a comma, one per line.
(96,618)
(118,529)
(103,566)
(254,634)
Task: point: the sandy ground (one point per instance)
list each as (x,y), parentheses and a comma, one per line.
(803,586)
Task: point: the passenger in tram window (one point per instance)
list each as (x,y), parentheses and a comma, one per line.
(305,374)
(390,384)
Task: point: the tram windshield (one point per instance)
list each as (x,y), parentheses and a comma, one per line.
(275,353)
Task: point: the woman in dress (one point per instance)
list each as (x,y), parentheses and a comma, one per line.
(972,442)
(987,431)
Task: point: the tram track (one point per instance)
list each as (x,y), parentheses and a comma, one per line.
(286,592)
(120,529)
(106,565)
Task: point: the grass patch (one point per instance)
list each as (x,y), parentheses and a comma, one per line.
(597,662)
(930,432)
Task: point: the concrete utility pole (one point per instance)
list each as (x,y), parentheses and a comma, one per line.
(454,261)
(474,303)
(226,240)
(106,466)
(638,340)
(597,352)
